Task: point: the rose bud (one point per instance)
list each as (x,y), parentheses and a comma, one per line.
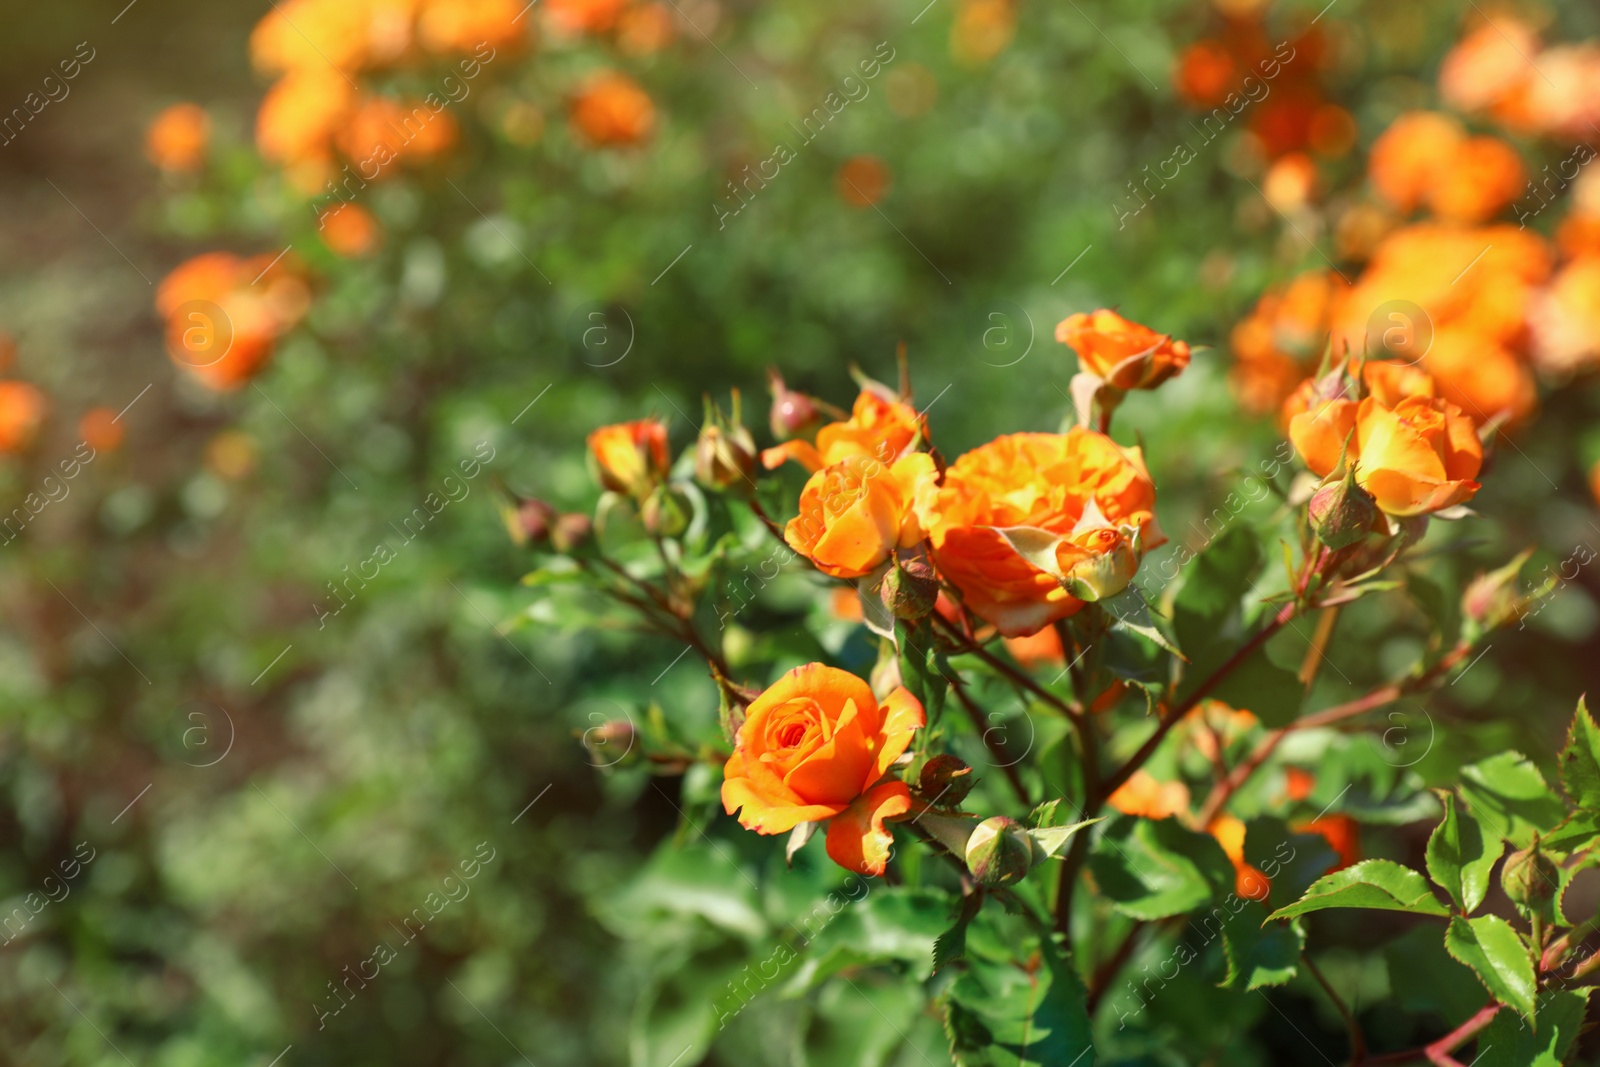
(999,851)
(1492,599)
(534,519)
(1123,354)
(609,742)
(910,587)
(1105,566)
(631,456)
(666,512)
(1342,512)
(1529,878)
(792,413)
(570,531)
(945,780)
(725,453)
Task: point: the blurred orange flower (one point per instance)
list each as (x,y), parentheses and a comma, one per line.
(632,456)
(349,230)
(611,109)
(1144,796)
(177,137)
(573,17)
(862,181)
(300,114)
(1480,178)
(982,29)
(224,314)
(100,429)
(22,409)
(468,26)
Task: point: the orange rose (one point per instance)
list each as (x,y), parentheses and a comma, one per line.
(350,230)
(854,514)
(300,114)
(815,746)
(1481,376)
(1567,318)
(176,139)
(1143,795)
(611,109)
(1418,457)
(1489,66)
(573,17)
(1319,424)
(1042,647)
(632,456)
(1477,180)
(1341,832)
(22,408)
(1408,157)
(1248,882)
(1047,482)
(468,25)
(224,314)
(1391,381)
(1123,353)
(100,429)
(877,427)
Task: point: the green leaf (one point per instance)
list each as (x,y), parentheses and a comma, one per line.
(1051,840)
(684,1001)
(1580,760)
(1459,861)
(895,924)
(860,1023)
(1379,884)
(952,944)
(1578,830)
(1509,1042)
(1129,612)
(1511,798)
(1153,868)
(1260,957)
(1213,584)
(1000,1014)
(1497,956)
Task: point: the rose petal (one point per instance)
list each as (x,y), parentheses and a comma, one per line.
(857,838)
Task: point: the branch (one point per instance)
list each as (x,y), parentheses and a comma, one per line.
(994,746)
(1438,1052)
(1358,1042)
(1019,677)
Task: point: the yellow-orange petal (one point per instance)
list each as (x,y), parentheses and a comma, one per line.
(857,839)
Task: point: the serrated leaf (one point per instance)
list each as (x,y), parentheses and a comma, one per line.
(952,944)
(1129,612)
(1511,798)
(999,1014)
(1260,957)
(1378,884)
(1509,1042)
(1580,760)
(1153,868)
(1459,860)
(1497,956)
(1051,840)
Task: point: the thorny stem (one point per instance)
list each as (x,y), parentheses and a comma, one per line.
(966,644)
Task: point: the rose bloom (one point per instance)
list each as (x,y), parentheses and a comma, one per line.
(1036,480)
(645,30)
(1143,795)
(1206,73)
(464,26)
(1481,176)
(611,109)
(258,299)
(815,747)
(1291,182)
(632,456)
(317,34)
(1123,353)
(1489,66)
(1567,318)
(574,17)
(854,514)
(1042,647)
(1407,158)
(381,130)
(878,426)
(1418,457)
(300,114)
(982,29)
(22,409)
(100,429)
(1481,376)
(349,230)
(177,137)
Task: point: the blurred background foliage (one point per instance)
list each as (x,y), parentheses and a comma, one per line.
(266,790)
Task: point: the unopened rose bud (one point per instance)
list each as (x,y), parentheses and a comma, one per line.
(1529,878)
(535,519)
(945,780)
(1492,599)
(1105,570)
(665,512)
(1342,512)
(570,531)
(609,742)
(724,457)
(999,852)
(631,457)
(792,413)
(910,587)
